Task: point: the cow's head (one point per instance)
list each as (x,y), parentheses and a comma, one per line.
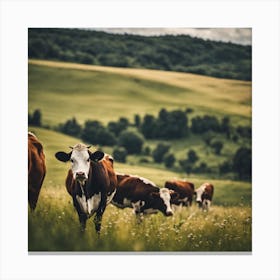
(80,158)
(199,193)
(161,200)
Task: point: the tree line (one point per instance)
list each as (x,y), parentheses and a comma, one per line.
(129,138)
(181,53)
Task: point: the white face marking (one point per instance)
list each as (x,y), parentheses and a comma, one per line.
(83,203)
(199,193)
(165,196)
(80,162)
(93,203)
(110,197)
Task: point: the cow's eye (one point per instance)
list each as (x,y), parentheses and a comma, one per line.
(71,160)
(88,159)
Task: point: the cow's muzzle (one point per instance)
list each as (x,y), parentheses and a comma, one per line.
(199,203)
(81,177)
(169,213)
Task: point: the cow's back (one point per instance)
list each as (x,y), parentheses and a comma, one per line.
(183,188)
(134,188)
(36,169)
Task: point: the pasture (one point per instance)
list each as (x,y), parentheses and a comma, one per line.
(65,90)
(54,225)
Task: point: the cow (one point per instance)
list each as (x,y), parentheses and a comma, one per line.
(185,190)
(142,195)
(36,169)
(91,182)
(204,195)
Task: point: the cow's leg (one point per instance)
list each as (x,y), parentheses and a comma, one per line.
(99,213)
(32,198)
(81,214)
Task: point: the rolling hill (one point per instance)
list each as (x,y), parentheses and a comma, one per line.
(63,90)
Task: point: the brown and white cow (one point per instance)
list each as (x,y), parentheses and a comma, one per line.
(142,195)
(36,169)
(184,189)
(91,182)
(204,195)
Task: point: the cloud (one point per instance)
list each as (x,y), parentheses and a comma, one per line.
(235,35)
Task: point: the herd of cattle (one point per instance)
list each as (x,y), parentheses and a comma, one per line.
(93,183)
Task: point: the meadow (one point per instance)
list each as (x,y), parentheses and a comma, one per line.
(65,90)
(54,225)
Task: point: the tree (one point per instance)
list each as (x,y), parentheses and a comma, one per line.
(137,120)
(148,127)
(217,146)
(147,151)
(186,166)
(35,118)
(242,163)
(119,154)
(118,127)
(225,126)
(95,133)
(159,152)
(71,127)
(131,141)
(192,157)
(225,167)
(169,160)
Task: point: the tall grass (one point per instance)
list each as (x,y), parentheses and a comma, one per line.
(54,227)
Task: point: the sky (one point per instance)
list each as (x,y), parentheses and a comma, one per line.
(241,36)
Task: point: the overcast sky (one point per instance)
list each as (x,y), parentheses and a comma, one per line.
(235,35)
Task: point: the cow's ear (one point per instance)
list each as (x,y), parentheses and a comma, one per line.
(97,156)
(62,156)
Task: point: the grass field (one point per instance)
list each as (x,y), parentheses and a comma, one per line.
(65,90)
(54,226)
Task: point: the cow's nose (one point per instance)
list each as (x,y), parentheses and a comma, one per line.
(169,213)
(199,203)
(80,174)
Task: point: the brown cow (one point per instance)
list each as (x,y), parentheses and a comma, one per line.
(142,195)
(91,182)
(36,169)
(184,189)
(204,195)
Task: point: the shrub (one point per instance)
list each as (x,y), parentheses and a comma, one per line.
(242,163)
(95,133)
(119,154)
(71,127)
(217,146)
(169,160)
(159,152)
(131,141)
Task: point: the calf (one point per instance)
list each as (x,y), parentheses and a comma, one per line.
(91,182)
(142,195)
(184,189)
(36,169)
(204,195)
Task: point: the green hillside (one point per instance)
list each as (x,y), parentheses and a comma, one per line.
(64,90)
